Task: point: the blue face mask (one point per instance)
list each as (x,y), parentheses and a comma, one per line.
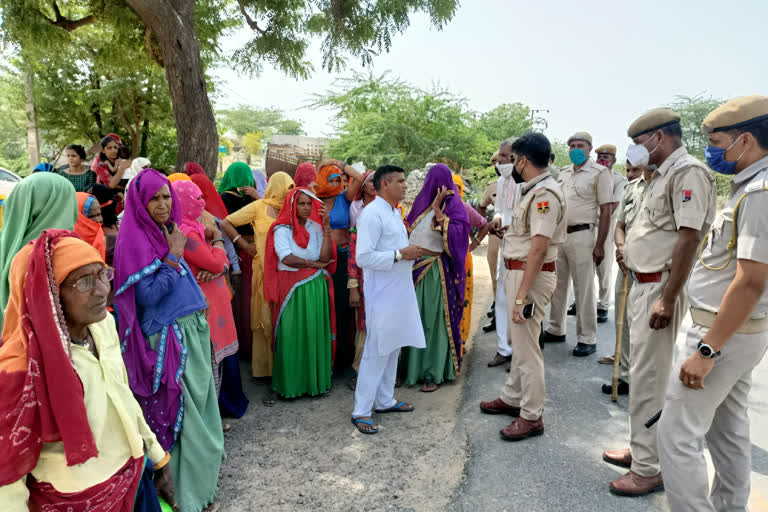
(577,156)
(717,162)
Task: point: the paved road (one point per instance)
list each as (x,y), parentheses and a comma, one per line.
(305,455)
(562,470)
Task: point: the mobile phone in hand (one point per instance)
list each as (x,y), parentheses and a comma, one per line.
(528,310)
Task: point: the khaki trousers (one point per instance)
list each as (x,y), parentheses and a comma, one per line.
(625,351)
(604,270)
(717,413)
(652,351)
(575,261)
(525,386)
(493,258)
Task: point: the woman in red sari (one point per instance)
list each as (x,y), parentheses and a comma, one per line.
(208,262)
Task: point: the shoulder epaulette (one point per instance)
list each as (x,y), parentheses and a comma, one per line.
(757,186)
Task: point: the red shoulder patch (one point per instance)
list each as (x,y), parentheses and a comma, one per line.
(542,206)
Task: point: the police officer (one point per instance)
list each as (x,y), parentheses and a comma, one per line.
(639,174)
(709,387)
(489,198)
(677,209)
(588,191)
(606,156)
(531,243)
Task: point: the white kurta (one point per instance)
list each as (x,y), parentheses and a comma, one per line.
(391,311)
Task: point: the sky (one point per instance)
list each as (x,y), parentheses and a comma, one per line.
(595,65)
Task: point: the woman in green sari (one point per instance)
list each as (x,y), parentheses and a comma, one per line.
(298,286)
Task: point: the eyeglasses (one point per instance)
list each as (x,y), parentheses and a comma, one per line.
(88,283)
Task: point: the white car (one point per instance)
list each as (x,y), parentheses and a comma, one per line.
(8,180)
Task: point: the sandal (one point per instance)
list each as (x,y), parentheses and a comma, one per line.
(352,383)
(270,399)
(398,407)
(429,387)
(356,422)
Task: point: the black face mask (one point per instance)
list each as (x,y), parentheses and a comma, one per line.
(517,176)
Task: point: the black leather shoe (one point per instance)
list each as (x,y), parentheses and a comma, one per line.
(491,326)
(492,312)
(547,337)
(602,316)
(582,349)
(622,388)
(572,309)
(508,366)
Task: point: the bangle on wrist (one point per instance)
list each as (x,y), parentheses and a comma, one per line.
(217,240)
(238,237)
(163,463)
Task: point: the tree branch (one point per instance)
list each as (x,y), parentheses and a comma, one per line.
(154,54)
(65,23)
(250,21)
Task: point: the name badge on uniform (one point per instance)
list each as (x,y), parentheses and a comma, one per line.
(687,194)
(543,206)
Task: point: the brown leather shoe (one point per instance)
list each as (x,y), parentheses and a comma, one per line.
(633,484)
(522,428)
(498,360)
(499,406)
(621,458)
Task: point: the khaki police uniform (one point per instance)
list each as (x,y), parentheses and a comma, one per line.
(605,269)
(626,213)
(541,211)
(585,190)
(681,194)
(718,413)
(489,198)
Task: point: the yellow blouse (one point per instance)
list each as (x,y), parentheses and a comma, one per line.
(115,418)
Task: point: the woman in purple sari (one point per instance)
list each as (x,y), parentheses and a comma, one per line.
(438,223)
(165,338)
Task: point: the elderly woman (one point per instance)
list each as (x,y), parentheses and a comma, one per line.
(260,215)
(298,286)
(164,331)
(337,201)
(71,431)
(77,173)
(439,224)
(41,201)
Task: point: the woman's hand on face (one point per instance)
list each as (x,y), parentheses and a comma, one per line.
(442,193)
(250,192)
(176,240)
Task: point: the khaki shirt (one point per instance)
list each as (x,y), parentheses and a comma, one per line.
(619,182)
(541,211)
(489,197)
(585,190)
(630,202)
(707,286)
(681,194)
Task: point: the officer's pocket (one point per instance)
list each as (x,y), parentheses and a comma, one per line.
(660,214)
(586,191)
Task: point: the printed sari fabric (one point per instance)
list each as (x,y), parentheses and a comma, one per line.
(451,263)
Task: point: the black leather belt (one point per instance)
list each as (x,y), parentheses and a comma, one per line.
(578,227)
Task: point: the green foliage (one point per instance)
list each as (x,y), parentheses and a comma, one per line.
(693,110)
(506,120)
(383,120)
(13,142)
(245,118)
(283,29)
(251,142)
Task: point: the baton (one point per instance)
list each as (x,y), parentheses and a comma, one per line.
(619,332)
(651,422)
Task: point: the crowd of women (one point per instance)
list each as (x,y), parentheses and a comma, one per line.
(128,297)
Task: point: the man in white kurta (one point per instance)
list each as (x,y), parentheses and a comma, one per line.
(391,311)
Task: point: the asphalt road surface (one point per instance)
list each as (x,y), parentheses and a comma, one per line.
(305,454)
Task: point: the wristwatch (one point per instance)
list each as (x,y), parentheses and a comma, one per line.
(398,256)
(707,351)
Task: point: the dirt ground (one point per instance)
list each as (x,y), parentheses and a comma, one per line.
(306,455)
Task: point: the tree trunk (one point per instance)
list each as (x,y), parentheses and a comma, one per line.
(144,137)
(173,24)
(33,138)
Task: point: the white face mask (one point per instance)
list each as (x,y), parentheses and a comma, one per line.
(505,169)
(637,154)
